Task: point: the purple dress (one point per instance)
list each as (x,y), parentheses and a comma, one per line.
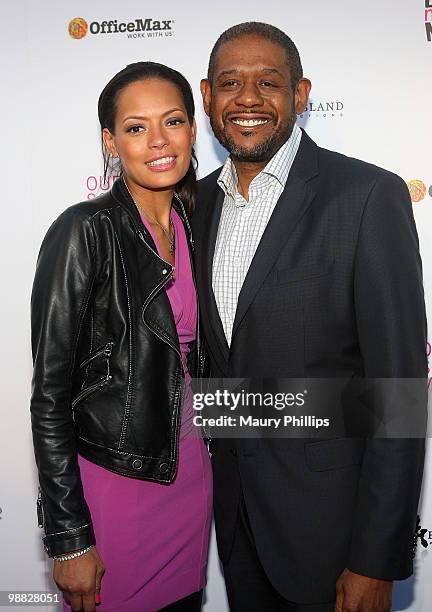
(153,538)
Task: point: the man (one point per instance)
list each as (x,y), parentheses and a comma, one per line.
(307,266)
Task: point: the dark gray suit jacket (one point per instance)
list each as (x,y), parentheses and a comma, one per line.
(334,290)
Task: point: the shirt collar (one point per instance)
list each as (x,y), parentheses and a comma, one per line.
(278,166)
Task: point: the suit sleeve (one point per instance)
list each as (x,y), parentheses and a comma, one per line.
(391,323)
(61,291)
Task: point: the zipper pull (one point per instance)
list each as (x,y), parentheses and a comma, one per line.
(108,349)
(39,509)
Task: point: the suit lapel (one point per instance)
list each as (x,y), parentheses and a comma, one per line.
(291,206)
(205,252)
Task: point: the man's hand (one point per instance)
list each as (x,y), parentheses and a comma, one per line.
(355,593)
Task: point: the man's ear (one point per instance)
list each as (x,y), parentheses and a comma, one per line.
(206,95)
(302,95)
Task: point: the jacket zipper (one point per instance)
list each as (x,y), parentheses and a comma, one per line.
(159,286)
(107,350)
(170,344)
(185,220)
(39,508)
(162,284)
(102,382)
(155,290)
(200,356)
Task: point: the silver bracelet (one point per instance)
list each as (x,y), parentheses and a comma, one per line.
(73,555)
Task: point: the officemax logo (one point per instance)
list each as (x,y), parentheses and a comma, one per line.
(78,28)
(137,28)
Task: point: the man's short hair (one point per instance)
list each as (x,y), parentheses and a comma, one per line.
(264,30)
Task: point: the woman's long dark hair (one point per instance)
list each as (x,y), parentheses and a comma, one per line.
(107,107)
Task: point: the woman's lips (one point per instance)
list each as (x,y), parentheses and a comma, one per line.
(162,164)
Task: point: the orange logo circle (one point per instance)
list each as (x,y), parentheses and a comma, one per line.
(417,190)
(78,27)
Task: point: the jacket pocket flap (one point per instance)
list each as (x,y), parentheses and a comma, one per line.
(301,273)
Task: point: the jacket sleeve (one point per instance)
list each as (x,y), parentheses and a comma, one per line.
(391,323)
(61,292)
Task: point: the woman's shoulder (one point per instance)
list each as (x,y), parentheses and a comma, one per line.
(78,219)
(90,208)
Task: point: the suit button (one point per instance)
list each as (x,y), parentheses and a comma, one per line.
(163,467)
(137,464)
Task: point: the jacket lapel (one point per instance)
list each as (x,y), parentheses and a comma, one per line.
(291,206)
(206,241)
(156,312)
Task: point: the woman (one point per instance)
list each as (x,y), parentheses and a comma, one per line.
(125,486)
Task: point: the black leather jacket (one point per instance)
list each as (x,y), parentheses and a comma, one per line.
(108,379)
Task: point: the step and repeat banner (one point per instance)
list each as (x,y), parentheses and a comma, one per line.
(370,66)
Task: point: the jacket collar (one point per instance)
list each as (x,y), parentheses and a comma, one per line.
(278,167)
(156,311)
(298,195)
(121,194)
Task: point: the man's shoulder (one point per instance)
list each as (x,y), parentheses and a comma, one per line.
(341,167)
(206,193)
(359,182)
(209,181)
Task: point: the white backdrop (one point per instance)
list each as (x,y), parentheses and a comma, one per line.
(370,62)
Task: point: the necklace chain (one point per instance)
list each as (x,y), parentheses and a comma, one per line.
(170,235)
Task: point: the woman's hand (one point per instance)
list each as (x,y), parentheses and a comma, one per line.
(80,580)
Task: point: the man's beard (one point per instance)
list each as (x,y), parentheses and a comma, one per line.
(261,152)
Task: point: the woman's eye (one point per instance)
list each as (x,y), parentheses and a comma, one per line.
(135,129)
(175,121)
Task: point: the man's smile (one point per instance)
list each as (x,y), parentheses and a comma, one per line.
(249,121)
